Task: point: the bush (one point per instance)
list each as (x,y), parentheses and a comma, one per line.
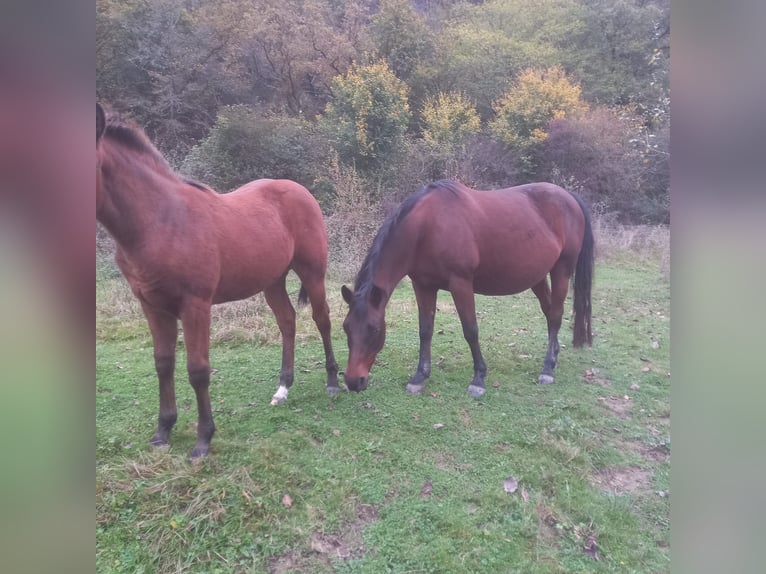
(246,144)
(608,155)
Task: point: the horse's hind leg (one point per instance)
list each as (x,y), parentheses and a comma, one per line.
(552,304)
(426,299)
(279,301)
(195,318)
(164,329)
(320,312)
(462,295)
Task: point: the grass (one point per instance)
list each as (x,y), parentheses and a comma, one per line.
(366,482)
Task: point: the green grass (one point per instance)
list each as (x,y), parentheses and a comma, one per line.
(589,462)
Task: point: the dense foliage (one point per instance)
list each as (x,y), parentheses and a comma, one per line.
(494,93)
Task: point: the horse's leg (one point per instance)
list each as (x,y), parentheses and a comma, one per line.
(195,319)
(462,294)
(543,292)
(164,329)
(279,301)
(426,299)
(320,312)
(552,303)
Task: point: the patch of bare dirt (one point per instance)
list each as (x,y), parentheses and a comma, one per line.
(292,562)
(618,406)
(326,546)
(593,377)
(622,480)
(658,453)
(547,533)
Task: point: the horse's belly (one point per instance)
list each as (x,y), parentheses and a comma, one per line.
(517,274)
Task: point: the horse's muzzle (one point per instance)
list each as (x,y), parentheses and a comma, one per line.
(356,384)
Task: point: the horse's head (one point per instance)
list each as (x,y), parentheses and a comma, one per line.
(365,327)
(100,129)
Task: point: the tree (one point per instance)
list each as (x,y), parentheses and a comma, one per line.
(522,115)
(448,119)
(368,116)
(484,46)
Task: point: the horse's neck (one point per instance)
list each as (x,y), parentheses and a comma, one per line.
(393,265)
(135,194)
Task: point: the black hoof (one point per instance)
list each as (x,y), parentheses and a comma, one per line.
(415,389)
(476,391)
(545,380)
(333,391)
(198,453)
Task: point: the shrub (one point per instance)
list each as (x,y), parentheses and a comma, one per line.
(246,144)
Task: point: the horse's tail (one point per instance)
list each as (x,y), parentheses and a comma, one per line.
(303,296)
(582,283)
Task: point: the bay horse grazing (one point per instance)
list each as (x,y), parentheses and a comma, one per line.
(448,236)
(183,247)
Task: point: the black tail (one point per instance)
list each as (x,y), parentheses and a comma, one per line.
(583,282)
(303,296)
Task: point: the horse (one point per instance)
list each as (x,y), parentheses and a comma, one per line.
(451,237)
(183,247)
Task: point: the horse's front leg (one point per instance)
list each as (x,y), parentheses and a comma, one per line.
(426,299)
(195,318)
(164,329)
(462,295)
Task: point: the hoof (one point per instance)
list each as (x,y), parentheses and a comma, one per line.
(476,391)
(545,380)
(280,396)
(198,453)
(158,442)
(414,389)
(333,391)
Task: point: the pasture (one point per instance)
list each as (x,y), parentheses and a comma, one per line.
(383,481)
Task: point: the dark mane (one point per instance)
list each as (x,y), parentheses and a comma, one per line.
(364,278)
(127,133)
(198,184)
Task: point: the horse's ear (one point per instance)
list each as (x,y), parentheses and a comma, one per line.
(347,294)
(376,296)
(100,121)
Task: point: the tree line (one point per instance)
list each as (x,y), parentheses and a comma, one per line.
(392,94)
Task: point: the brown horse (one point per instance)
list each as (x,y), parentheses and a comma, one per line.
(447,236)
(183,247)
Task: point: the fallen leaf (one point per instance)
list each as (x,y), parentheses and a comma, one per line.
(655,345)
(438,426)
(434,395)
(646,369)
(524,494)
(297,410)
(287,500)
(510,485)
(246,494)
(336,432)
(440,361)
(425,490)
(635,387)
(495,385)
(213,371)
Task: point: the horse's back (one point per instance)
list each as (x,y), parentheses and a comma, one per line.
(509,239)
